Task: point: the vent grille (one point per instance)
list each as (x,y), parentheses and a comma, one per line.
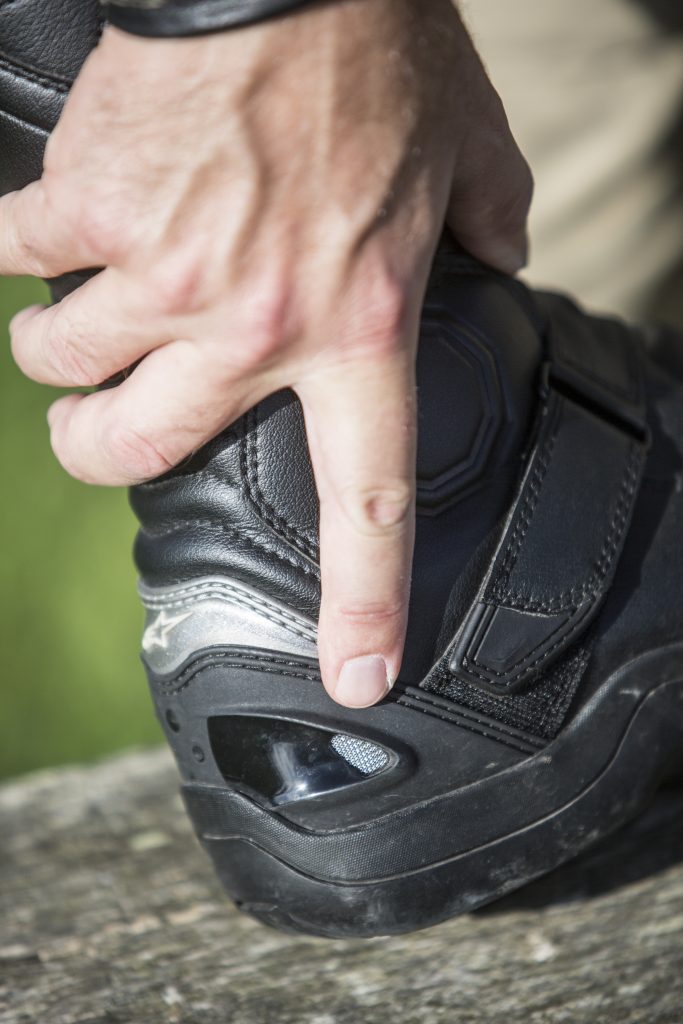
(368,758)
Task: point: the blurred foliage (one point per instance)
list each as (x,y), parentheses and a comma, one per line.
(72,684)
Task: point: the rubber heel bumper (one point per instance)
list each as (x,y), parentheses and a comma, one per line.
(379,856)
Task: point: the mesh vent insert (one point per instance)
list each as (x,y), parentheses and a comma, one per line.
(367,757)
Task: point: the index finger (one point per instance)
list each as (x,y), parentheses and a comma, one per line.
(361,424)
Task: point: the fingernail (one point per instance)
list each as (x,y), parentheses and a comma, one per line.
(362,681)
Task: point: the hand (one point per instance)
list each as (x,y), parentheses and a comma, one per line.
(266,204)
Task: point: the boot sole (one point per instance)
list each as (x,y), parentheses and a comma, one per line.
(457,850)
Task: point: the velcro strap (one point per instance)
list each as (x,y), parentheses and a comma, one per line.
(562,540)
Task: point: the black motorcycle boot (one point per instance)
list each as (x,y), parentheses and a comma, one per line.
(540,701)
(541,698)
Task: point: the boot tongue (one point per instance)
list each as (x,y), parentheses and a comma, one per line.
(477,370)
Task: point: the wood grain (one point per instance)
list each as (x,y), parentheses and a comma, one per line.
(110,914)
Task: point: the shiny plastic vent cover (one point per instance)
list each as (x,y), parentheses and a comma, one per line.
(285,761)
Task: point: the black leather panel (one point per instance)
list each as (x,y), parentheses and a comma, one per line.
(43,44)
(477,369)
(31,97)
(50,36)
(561,544)
(564,535)
(200,521)
(277,474)
(22,153)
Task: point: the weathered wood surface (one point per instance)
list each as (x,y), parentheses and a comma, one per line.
(109,914)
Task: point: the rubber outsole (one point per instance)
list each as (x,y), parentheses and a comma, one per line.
(283,897)
(390,875)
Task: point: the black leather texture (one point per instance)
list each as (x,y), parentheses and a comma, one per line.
(43,44)
(193,17)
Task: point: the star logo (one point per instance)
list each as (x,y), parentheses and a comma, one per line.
(158,632)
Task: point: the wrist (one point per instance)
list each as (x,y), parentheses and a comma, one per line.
(173,18)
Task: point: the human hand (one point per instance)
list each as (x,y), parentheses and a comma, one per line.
(266,204)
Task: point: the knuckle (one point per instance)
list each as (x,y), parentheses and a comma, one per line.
(500,203)
(177,285)
(66,348)
(381,510)
(376,324)
(134,455)
(101,227)
(268,326)
(371,613)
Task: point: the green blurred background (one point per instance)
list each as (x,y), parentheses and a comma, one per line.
(72,684)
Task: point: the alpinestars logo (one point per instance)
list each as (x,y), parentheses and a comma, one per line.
(158,632)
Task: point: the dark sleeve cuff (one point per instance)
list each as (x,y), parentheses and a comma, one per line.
(161,18)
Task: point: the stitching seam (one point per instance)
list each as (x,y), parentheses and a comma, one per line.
(244,661)
(469,727)
(467,713)
(526,668)
(234,535)
(568,599)
(52,84)
(233,595)
(590,588)
(234,664)
(25,121)
(526,513)
(265,510)
(253,662)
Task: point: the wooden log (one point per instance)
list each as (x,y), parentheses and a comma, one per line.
(110,914)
